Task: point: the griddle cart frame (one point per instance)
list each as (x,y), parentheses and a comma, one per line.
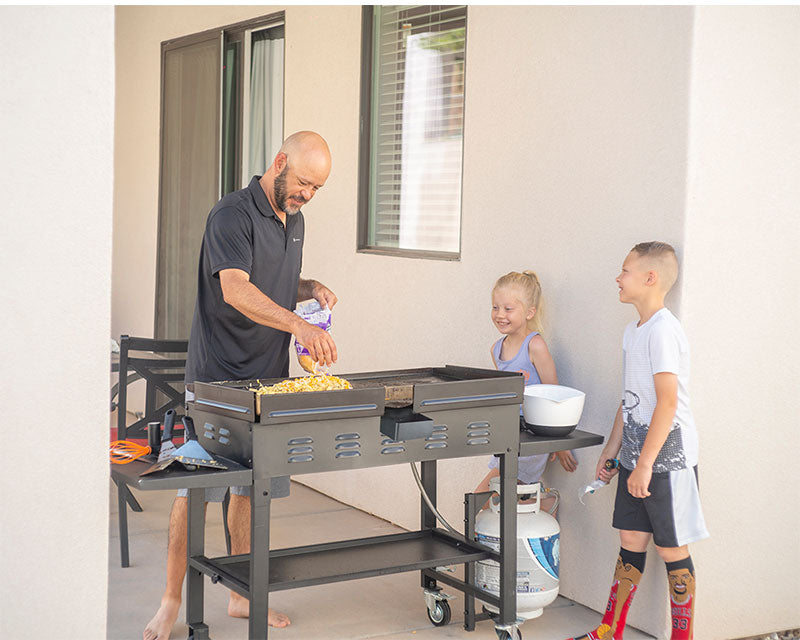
(296,567)
(259,429)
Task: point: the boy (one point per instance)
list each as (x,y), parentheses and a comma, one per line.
(655,437)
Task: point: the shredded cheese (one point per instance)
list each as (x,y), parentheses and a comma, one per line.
(323,382)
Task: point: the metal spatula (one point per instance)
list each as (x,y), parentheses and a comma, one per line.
(191,454)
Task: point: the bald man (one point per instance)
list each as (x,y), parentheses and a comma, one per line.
(248,284)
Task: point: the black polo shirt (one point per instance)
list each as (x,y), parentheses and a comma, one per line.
(243,232)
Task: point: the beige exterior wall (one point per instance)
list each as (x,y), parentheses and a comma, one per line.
(586,132)
(56,175)
(740,304)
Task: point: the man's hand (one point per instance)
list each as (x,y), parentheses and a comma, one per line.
(566,459)
(319,343)
(639,481)
(324,296)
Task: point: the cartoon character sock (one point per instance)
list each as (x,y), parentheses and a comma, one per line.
(681,598)
(630,566)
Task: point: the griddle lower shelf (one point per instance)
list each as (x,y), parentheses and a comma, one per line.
(337,561)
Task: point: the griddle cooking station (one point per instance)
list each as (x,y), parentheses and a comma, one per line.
(390,417)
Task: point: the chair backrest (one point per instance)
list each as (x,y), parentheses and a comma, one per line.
(162,364)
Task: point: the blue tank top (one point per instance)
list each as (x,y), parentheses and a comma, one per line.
(520,363)
(530,467)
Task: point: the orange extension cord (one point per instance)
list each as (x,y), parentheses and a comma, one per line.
(125,451)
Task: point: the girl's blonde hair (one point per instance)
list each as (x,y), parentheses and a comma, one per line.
(530,290)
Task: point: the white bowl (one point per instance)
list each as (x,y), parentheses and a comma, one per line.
(552,405)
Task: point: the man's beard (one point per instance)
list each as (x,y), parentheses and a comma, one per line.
(289,206)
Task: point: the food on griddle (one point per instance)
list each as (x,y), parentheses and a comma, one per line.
(323,382)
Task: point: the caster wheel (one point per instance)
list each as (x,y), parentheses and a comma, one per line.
(440,616)
(508,635)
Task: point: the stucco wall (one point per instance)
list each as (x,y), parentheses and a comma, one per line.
(56,174)
(740,304)
(576,147)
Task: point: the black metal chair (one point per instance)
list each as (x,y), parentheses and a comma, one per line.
(162,365)
(163,373)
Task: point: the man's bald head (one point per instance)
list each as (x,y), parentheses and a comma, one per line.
(310,150)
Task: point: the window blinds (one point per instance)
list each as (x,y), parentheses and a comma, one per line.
(417,125)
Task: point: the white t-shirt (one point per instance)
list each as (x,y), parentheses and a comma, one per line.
(658,346)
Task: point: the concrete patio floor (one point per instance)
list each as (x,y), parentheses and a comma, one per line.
(390,607)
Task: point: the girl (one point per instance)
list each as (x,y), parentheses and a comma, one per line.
(517,313)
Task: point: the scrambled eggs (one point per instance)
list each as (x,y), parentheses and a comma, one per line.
(323,382)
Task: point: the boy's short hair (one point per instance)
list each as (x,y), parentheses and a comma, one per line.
(660,257)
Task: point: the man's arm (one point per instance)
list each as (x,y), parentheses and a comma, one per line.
(307,289)
(666,385)
(249,300)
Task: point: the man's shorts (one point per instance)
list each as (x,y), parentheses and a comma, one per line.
(671,512)
(217,494)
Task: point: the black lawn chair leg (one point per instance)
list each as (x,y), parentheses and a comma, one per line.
(131,499)
(226,501)
(122,508)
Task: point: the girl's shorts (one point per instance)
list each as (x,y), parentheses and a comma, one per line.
(671,512)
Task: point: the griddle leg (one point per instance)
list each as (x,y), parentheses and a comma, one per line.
(195,546)
(427,518)
(470,511)
(508,538)
(259,559)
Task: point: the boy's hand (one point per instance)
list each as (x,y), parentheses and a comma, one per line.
(639,481)
(566,459)
(601,472)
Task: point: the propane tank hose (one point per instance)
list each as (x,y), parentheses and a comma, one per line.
(427,500)
(446,524)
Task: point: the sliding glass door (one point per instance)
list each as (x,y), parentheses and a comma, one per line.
(221,123)
(189,176)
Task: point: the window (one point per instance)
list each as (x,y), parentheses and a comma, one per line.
(252,129)
(221,123)
(412,124)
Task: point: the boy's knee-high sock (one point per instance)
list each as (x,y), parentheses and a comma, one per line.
(630,566)
(681,598)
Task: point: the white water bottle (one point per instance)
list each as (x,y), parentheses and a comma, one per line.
(611,463)
(591,488)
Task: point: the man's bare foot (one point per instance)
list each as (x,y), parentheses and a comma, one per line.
(239,607)
(275,619)
(161,625)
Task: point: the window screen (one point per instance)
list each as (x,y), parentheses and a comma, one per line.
(412,128)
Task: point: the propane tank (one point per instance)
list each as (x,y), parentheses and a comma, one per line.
(538,540)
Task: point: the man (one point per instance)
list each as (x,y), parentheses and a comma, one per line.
(248,283)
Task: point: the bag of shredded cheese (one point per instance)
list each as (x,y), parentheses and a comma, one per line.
(313,313)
